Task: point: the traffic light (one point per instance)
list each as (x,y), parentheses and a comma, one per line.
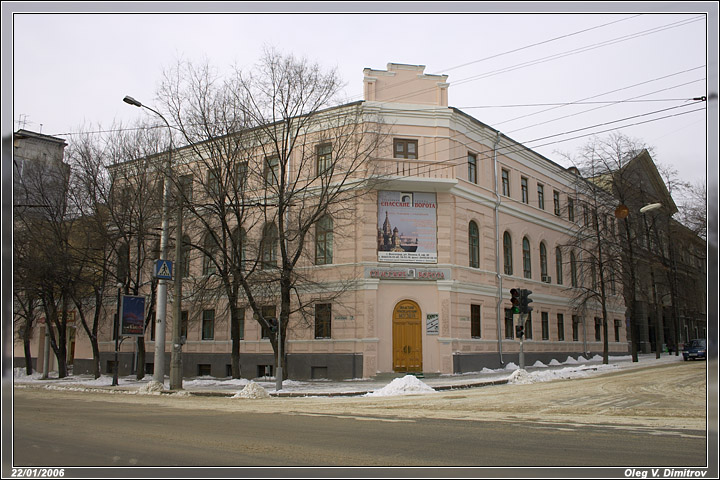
(525,301)
(519,331)
(515,300)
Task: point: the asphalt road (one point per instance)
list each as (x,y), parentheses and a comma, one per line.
(81,429)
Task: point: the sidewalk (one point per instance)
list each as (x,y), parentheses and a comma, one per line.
(383,386)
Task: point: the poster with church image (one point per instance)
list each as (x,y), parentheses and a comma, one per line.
(407,227)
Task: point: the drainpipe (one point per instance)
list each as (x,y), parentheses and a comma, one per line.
(500,316)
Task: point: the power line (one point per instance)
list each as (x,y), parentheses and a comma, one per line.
(563,104)
(604,106)
(539,43)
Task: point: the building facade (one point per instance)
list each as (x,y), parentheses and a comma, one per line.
(458,216)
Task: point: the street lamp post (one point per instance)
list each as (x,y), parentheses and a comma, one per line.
(161,308)
(659,336)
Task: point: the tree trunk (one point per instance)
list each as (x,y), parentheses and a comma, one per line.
(28,354)
(140,372)
(235,334)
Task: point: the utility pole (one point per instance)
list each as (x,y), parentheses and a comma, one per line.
(176,354)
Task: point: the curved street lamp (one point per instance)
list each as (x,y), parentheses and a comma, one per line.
(161,308)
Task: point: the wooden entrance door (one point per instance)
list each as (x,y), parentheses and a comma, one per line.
(407,337)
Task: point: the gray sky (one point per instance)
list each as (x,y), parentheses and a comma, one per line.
(70,71)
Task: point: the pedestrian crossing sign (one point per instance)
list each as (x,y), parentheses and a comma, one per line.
(163,269)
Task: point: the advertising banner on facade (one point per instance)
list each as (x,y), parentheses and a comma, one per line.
(407,227)
(133,316)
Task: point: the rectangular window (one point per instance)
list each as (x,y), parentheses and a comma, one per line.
(184,323)
(598,329)
(575,328)
(323,320)
(472,168)
(524,189)
(571,210)
(272,170)
(208,325)
(617,330)
(240,315)
(405,148)
(213,182)
(509,328)
(241,172)
(529,327)
(204,370)
(556,202)
(186,187)
(505,183)
(268,312)
(541,197)
(545,326)
(475,321)
(324,157)
(561,327)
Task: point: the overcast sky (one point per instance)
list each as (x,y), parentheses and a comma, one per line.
(70,71)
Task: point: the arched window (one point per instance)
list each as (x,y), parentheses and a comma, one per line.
(558,265)
(573,270)
(268,247)
(527,269)
(185,257)
(474,245)
(543,262)
(211,249)
(324,241)
(507,254)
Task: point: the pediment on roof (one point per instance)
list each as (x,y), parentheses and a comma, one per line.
(645,172)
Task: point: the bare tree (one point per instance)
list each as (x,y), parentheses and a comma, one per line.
(693,208)
(43,227)
(594,248)
(134,200)
(271,162)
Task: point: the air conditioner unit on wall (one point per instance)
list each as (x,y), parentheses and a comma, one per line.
(546,279)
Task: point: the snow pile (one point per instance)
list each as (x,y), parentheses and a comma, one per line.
(539,364)
(206,382)
(407,385)
(152,388)
(511,366)
(571,361)
(597,358)
(252,390)
(554,363)
(521,377)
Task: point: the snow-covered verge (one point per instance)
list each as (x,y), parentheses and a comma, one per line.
(408,385)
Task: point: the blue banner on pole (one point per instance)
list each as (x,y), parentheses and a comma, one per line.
(133,316)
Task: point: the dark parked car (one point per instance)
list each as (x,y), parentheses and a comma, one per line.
(695,349)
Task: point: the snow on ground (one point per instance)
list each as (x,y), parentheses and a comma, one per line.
(408,385)
(252,390)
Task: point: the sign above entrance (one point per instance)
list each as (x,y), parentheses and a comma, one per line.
(408,273)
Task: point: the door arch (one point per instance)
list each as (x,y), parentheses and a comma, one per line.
(407,337)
